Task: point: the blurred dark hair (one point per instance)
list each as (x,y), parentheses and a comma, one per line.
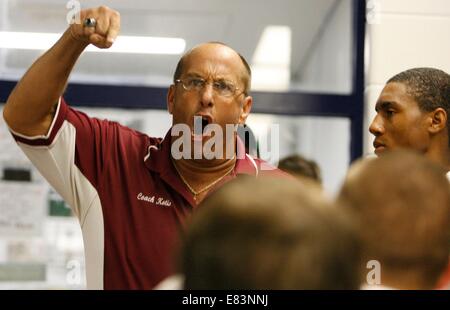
(299,165)
(402,201)
(269,233)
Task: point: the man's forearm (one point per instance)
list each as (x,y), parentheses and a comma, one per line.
(31,102)
(29,107)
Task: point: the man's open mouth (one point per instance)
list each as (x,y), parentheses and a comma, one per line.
(205,122)
(200,123)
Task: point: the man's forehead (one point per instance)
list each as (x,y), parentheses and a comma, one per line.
(213,56)
(212,52)
(214,48)
(394,89)
(395,93)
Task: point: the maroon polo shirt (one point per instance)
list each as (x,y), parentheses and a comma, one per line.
(123,187)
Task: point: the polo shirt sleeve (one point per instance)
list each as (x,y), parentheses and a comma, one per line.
(71,156)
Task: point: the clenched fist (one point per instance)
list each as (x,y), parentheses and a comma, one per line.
(105,31)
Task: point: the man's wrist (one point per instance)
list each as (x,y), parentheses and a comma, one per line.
(76,39)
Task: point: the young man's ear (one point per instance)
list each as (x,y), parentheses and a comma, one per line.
(438,120)
(170,98)
(246,108)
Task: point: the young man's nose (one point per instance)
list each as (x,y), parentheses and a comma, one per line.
(376,127)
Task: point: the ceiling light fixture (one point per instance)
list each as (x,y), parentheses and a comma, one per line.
(272,59)
(123,44)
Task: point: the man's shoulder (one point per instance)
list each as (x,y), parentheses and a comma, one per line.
(128,140)
(132,135)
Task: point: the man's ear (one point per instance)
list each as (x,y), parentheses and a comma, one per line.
(438,120)
(246,108)
(170,98)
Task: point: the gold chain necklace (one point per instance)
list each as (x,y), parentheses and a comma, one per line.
(193,191)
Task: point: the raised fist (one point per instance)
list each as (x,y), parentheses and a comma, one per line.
(99,26)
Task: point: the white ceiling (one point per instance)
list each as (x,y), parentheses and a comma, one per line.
(238,23)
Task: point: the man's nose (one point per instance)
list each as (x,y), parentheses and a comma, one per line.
(376,127)
(207,95)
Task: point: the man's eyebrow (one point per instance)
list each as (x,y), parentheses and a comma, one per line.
(384,105)
(193,74)
(219,78)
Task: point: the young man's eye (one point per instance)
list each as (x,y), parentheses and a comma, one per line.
(390,113)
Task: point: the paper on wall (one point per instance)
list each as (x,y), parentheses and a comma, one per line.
(22,208)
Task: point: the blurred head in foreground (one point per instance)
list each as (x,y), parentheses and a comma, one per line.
(402,203)
(269,234)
